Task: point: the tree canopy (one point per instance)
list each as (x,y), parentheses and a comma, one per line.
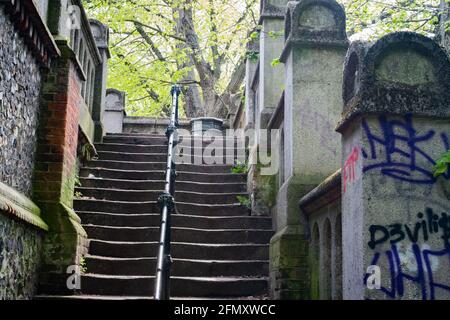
(200,43)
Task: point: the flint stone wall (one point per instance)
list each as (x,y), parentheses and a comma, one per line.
(20,250)
(20,82)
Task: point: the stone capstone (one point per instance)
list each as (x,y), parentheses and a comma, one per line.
(402,73)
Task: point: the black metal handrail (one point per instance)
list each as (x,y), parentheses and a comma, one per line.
(167,202)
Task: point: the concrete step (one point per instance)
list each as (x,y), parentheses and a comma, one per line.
(159,185)
(115,206)
(145,195)
(119,194)
(224,187)
(180,267)
(120,220)
(190,235)
(133,157)
(182,176)
(126,134)
(211,209)
(181,250)
(118,174)
(124,207)
(139,134)
(123,184)
(184,158)
(180,286)
(127,165)
(153,140)
(148,140)
(161,166)
(133,148)
(153,220)
(219,250)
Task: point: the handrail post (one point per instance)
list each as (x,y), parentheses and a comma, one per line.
(166,202)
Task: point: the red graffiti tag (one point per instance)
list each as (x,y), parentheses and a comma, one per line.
(348,172)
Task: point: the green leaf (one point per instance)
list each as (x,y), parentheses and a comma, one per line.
(275,62)
(244,201)
(253,56)
(254,35)
(275,34)
(239,168)
(442,164)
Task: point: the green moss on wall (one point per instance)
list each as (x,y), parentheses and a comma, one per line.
(267,187)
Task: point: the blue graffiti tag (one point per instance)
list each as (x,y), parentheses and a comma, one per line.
(403,163)
(428,224)
(423,278)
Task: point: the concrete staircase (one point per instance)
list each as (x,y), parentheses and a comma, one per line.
(219,250)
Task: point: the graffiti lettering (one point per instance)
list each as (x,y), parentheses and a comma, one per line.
(429,224)
(402,156)
(409,259)
(422,277)
(348,172)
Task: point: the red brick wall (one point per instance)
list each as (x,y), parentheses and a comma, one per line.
(56,167)
(58,135)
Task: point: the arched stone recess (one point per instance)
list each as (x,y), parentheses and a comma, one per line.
(353,70)
(401,73)
(337,258)
(326,254)
(315,22)
(115,100)
(100,32)
(326,266)
(315,262)
(114,111)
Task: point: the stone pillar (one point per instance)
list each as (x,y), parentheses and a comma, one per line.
(114,111)
(56,155)
(271,78)
(270,87)
(395,125)
(58,17)
(101,36)
(313,55)
(251,64)
(55,172)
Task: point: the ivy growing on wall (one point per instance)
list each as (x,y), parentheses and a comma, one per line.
(442,165)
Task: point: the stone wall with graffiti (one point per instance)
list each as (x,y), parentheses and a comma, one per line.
(410,237)
(396,213)
(395,125)
(400,207)
(378,227)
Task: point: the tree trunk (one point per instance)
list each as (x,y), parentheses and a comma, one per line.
(209,98)
(443,31)
(191,95)
(204,70)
